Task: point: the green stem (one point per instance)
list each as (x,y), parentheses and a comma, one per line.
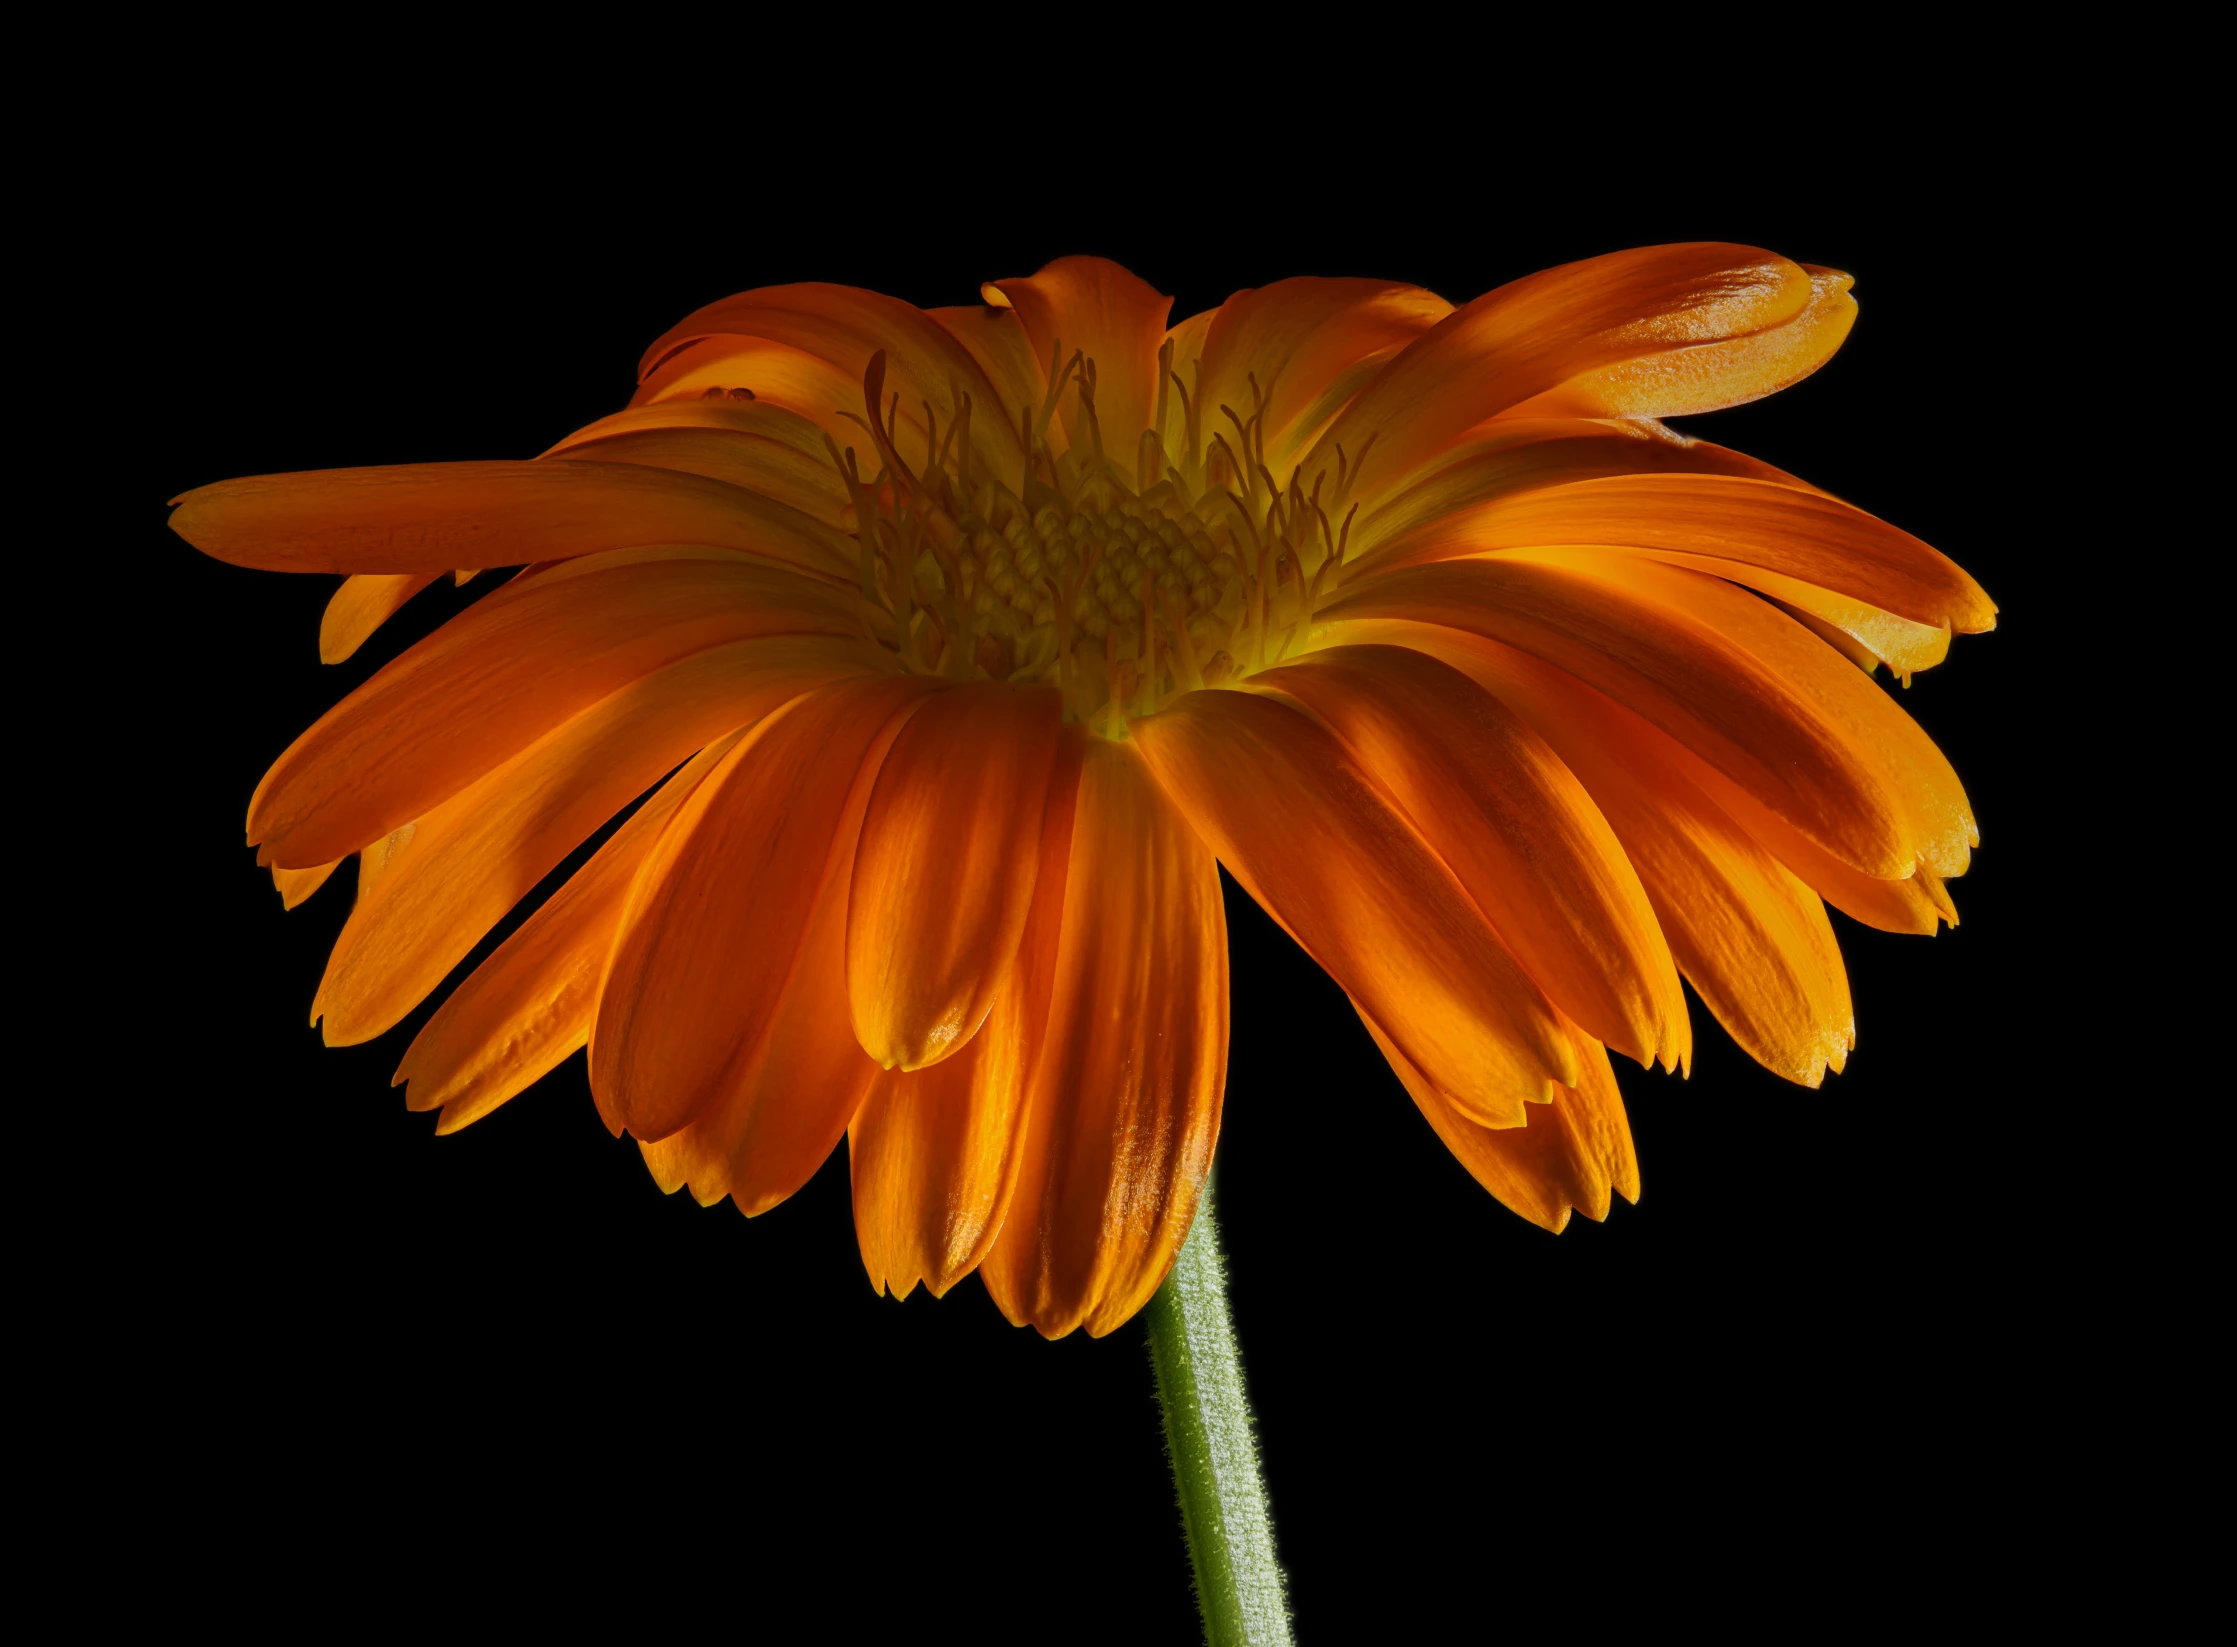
(1215,1461)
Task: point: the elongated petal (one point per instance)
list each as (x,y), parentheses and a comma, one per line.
(1706,377)
(1296,338)
(1431,516)
(1751,938)
(1093,305)
(524,1010)
(1315,839)
(1516,827)
(843,326)
(777,469)
(480,852)
(783,1108)
(1570,1153)
(1801,536)
(1124,1105)
(1532,334)
(933,1154)
(504,672)
(434,517)
(943,878)
(716,922)
(363,603)
(1745,687)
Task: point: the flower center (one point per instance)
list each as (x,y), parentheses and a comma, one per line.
(1122,585)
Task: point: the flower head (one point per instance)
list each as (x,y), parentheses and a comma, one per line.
(948,653)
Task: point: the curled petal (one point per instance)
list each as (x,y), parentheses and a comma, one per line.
(1706,377)
(775,468)
(435,517)
(943,879)
(1124,1103)
(1320,844)
(1532,334)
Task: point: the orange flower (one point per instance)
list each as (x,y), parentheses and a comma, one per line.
(956,648)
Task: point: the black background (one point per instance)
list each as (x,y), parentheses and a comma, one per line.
(377,1363)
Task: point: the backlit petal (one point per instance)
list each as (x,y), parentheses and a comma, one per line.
(1433,515)
(784,1106)
(933,1154)
(363,603)
(524,1010)
(469,860)
(1117,319)
(842,326)
(434,517)
(1570,1153)
(1297,338)
(1751,938)
(1801,537)
(1319,843)
(715,926)
(295,885)
(1535,333)
(943,878)
(1124,1105)
(1741,684)
(504,672)
(1705,377)
(1518,830)
(776,468)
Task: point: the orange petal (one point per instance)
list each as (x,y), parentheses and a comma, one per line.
(716,922)
(504,672)
(524,1010)
(1705,377)
(782,1110)
(1569,1153)
(1297,337)
(774,467)
(841,326)
(1517,829)
(1432,516)
(943,879)
(469,860)
(1803,537)
(1093,305)
(1751,938)
(999,344)
(363,603)
(433,517)
(1739,683)
(1125,1096)
(933,1154)
(1315,839)
(295,885)
(1532,334)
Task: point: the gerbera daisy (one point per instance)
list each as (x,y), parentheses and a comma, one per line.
(950,652)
